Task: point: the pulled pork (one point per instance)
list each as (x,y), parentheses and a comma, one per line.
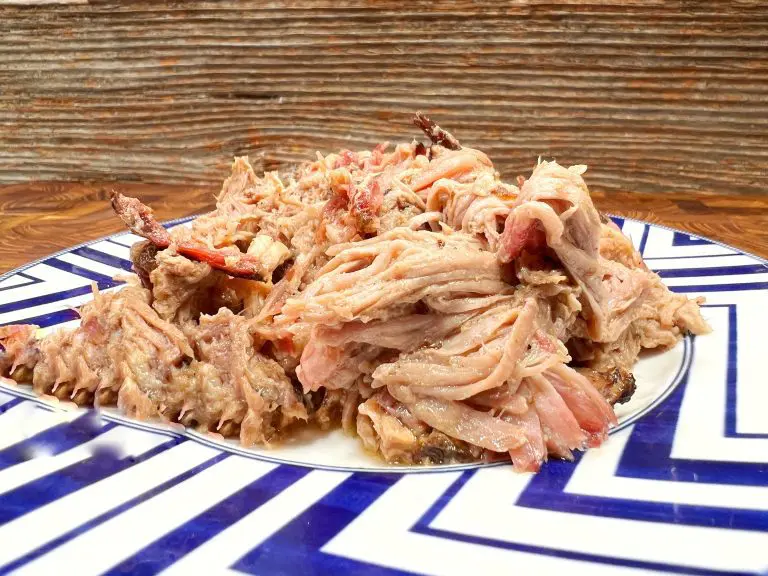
(409,296)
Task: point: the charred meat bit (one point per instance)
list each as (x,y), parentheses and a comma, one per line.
(617,385)
(438,448)
(435,133)
(143,258)
(280,272)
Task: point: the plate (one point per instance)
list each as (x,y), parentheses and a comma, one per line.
(681,486)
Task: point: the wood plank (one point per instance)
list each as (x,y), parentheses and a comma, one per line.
(657,97)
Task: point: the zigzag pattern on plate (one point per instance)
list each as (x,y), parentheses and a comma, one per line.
(683,490)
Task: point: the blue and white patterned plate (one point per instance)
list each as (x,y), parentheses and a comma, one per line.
(684,489)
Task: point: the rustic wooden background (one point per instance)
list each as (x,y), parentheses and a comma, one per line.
(666,101)
(655,96)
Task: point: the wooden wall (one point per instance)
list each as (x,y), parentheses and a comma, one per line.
(654,96)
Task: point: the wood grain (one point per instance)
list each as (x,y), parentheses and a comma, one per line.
(40,218)
(657,97)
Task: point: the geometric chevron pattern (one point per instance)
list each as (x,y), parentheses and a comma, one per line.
(683,490)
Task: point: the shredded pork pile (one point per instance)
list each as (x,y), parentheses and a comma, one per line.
(407,295)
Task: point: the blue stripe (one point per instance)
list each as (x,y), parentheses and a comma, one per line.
(50,319)
(446,497)
(568,555)
(644,239)
(723,271)
(170,548)
(618,221)
(728,254)
(647,456)
(648,450)
(168,484)
(55,440)
(295,549)
(546,492)
(423,528)
(103,280)
(731,377)
(720,287)
(561,471)
(46,299)
(681,239)
(42,491)
(10,404)
(103,258)
(30,282)
(116,243)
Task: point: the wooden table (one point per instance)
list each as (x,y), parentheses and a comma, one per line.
(667,102)
(40,218)
(655,96)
